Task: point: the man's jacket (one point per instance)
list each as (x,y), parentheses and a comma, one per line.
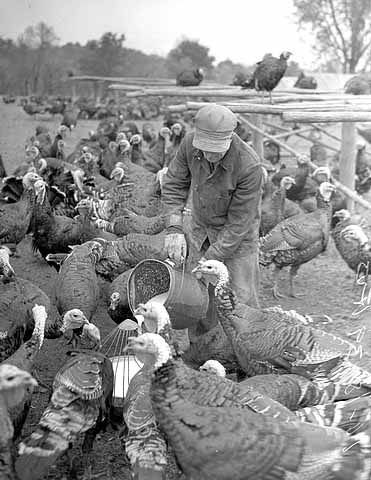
(225,201)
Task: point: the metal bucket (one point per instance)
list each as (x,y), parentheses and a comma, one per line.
(185,298)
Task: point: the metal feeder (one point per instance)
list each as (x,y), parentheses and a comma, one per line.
(125,364)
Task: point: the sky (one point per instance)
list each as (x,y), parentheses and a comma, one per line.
(241,30)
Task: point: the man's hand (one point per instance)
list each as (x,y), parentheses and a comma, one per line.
(176,247)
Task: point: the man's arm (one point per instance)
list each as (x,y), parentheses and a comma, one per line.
(175,189)
(243,216)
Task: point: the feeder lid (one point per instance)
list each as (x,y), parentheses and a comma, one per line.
(128,325)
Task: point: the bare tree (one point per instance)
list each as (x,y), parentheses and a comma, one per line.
(342,29)
(37,43)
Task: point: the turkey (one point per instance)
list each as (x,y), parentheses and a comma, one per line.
(275,206)
(271,152)
(77,285)
(108,157)
(358,85)
(305,187)
(298,239)
(17,299)
(80,404)
(144,444)
(202,388)
(25,358)
(292,391)
(120,255)
(149,133)
(190,78)
(157,156)
(318,152)
(304,81)
(222,443)
(119,308)
(70,116)
(363,169)
(268,73)
(130,222)
(7,273)
(15,218)
(352,243)
(272,340)
(53,233)
(14,385)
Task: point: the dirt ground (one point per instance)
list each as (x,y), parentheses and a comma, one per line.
(325,281)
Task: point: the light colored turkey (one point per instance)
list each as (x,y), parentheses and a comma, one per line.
(272,340)
(352,242)
(222,443)
(14,384)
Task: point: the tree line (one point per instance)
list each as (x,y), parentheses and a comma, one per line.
(35,63)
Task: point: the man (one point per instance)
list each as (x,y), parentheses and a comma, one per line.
(223,176)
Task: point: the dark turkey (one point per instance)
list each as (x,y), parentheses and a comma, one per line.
(305,82)
(190,78)
(275,206)
(25,358)
(268,73)
(298,239)
(80,404)
(358,85)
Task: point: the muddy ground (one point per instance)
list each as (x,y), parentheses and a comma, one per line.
(325,281)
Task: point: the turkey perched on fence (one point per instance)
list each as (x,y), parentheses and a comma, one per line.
(80,404)
(272,340)
(222,442)
(304,81)
(358,85)
(298,239)
(268,73)
(190,78)
(14,385)
(352,243)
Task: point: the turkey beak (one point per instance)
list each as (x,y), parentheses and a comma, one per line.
(197,272)
(132,343)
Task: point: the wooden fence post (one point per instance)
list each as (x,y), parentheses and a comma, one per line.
(257,137)
(347,164)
